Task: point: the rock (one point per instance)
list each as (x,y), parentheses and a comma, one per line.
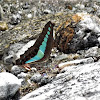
(13,9)
(36,78)
(90,22)
(46,11)
(15,47)
(84,36)
(8,57)
(61,57)
(0,69)
(34,69)
(76,62)
(99,39)
(9,85)
(16,18)
(79,98)
(22,75)
(23,82)
(68,6)
(41,79)
(26,5)
(66,56)
(45,79)
(1,12)
(29,15)
(80,82)
(3,26)
(8,62)
(81,6)
(92,52)
(16,70)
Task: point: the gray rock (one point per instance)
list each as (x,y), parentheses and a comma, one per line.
(16,18)
(34,69)
(76,62)
(36,77)
(61,57)
(46,11)
(15,47)
(78,82)
(8,57)
(86,35)
(2,68)
(45,79)
(1,12)
(41,79)
(80,6)
(22,75)
(9,85)
(78,98)
(23,82)
(13,9)
(26,5)
(15,70)
(66,56)
(92,52)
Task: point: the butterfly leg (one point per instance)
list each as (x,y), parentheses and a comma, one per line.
(27,67)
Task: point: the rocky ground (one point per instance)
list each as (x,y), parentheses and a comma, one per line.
(72,71)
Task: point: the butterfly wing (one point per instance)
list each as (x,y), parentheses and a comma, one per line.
(41,48)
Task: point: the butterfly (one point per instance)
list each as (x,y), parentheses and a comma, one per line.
(41,49)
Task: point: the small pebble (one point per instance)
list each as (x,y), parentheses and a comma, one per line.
(16,18)
(36,77)
(15,70)
(29,15)
(46,11)
(33,69)
(3,26)
(1,12)
(8,59)
(45,79)
(0,69)
(23,82)
(26,5)
(22,75)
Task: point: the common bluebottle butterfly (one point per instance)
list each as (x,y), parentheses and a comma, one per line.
(41,48)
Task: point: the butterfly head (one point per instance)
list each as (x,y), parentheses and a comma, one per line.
(51,24)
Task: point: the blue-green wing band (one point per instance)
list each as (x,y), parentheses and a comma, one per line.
(42,48)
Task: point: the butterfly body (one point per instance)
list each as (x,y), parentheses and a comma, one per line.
(41,49)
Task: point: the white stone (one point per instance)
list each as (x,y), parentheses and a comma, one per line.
(9,85)
(16,70)
(29,15)
(99,39)
(87,60)
(92,52)
(78,98)
(79,82)
(90,22)
(47,11)
(81,6)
